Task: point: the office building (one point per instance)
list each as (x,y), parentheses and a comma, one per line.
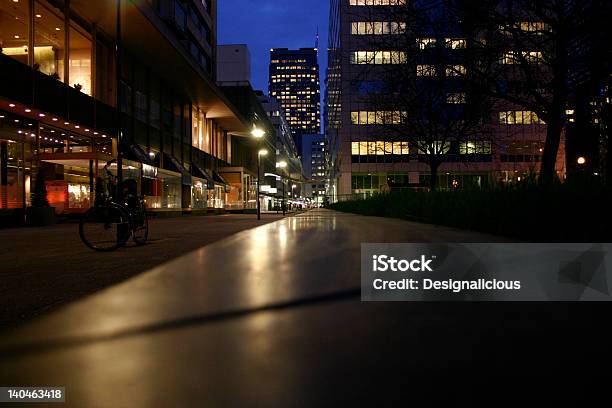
(294,82)
(61,95)
(365,156)
(314,161)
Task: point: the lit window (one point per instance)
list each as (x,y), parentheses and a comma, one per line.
(515,57)
(377,2)
(456,98)
(425,43)
(426,70)
(378,57)
(455,70)
(456,43)
(520,118)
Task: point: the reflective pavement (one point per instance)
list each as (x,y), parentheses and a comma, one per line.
(272,317)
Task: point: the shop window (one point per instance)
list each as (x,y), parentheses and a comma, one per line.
(199,195)
(162,189)
(216,197)
(14,30)
(12,186)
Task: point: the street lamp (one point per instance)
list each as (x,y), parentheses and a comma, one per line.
(282,165)
(260,153)
(257,133)
(293,187)
(581,161)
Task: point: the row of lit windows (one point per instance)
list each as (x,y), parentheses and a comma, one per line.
(526,26)
(475,147)
(432,70)
(518,57)
(291,61)
(313,92)
(291,107)
(379,148)
(377,28)
(308,76)
(379,57)
(293,80)
(378,117)
(295,67)
(377,2)
(453,43)
(464,147)
(304,98)
(520,118)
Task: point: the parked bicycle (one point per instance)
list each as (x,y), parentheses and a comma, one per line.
(109,224)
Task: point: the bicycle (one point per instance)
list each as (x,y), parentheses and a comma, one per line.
(109,224)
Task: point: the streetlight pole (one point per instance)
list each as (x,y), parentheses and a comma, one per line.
(258,134)
(119,67)
(283,165)
(259,154)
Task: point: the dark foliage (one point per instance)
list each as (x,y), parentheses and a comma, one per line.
(576,211)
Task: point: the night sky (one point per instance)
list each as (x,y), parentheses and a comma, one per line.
(265,24)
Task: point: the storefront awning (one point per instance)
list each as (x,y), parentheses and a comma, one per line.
(136,153)
(170,163)
(219,179)
(198,172)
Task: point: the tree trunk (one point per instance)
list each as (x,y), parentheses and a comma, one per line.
(551,149)
(433,176)
(556,113)
(608,159)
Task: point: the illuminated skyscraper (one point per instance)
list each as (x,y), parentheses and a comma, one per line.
(294,82)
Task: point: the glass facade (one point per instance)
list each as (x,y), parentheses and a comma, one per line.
(65,56)
(69,49)
(14,30)
(216,197)
(15,167)
(64,160)
(49,40)
(162,189)
(199,194)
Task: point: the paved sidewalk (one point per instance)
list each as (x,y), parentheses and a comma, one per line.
(272,317)
(43,268)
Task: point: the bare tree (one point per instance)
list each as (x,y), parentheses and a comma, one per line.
(416,79)
(531,53)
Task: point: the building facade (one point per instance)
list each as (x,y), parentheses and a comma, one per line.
(287,179)
(366,156)
(314,161)
(69,103)
(294,82)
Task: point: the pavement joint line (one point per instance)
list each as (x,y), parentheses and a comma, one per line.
(202,319)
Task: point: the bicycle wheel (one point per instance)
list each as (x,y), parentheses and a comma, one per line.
(105,228)
(140,221)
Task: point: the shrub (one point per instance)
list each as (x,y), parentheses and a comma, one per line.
(570,212)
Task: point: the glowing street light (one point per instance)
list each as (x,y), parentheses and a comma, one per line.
(581,161)
(257,133)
